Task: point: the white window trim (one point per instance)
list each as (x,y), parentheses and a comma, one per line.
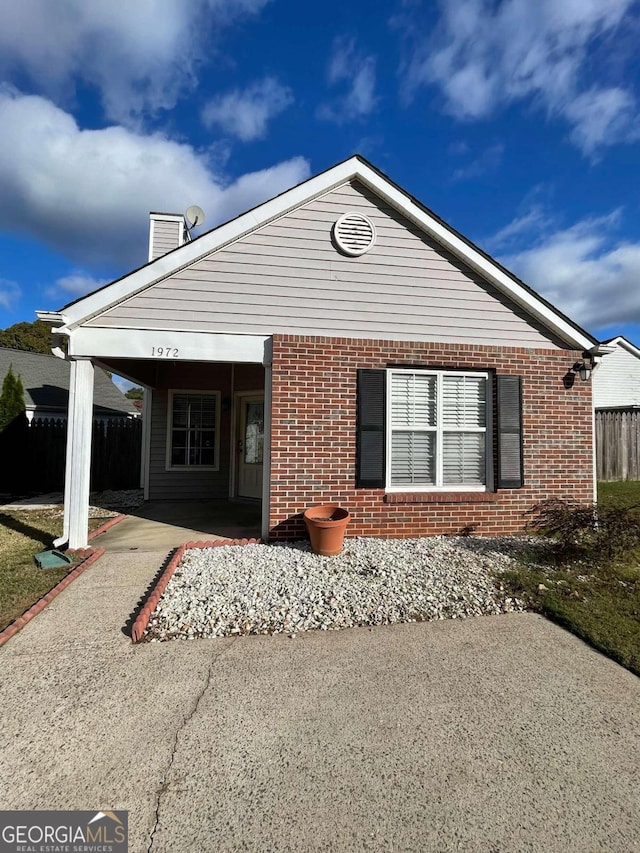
(191,468)
(439,374)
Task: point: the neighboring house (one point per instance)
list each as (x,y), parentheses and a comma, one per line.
(338,343)
(46,387)
(616,382)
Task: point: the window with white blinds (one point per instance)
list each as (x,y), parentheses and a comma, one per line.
(192,439)
(437,435)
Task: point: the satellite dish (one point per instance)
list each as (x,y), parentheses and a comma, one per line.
(194,215)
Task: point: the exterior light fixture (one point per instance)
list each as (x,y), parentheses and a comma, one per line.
(583,368)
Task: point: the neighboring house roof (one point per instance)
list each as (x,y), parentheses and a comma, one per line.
(620,340)
(46,384)
(616,382)
(353,169)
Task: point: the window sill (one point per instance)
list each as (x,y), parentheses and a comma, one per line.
(440,497)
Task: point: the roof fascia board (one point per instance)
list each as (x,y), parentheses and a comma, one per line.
(623,342)
(189,253)
(351,169)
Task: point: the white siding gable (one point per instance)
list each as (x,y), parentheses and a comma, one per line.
(616,381)
(288,276)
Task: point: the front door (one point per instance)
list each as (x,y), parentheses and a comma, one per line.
(250,445)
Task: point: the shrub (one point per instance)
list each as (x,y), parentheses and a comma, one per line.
(11,399)
(586,531)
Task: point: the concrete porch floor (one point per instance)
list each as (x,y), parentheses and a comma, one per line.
(167,524)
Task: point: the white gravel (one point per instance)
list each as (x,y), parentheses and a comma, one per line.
(269,589)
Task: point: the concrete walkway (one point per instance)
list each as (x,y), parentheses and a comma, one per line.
(165,524)
(490,734)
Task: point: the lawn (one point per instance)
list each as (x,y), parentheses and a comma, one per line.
(626,493)
(23,534)
(598,602)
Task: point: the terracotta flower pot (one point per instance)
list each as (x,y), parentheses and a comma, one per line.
(326,524)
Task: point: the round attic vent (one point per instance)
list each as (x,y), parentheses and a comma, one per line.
(354,233)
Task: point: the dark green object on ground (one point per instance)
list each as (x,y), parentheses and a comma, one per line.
(51,560)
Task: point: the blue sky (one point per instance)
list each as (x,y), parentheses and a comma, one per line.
(516,121)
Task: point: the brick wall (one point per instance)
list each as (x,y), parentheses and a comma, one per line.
(313,455)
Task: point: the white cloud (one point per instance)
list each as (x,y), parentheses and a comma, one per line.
(139,55)
(10,292)
(599,116)
(77,283)
(487,161)
(349,66)
(246,113)
(88,193)
(586,272)
(536,219)
(485,55)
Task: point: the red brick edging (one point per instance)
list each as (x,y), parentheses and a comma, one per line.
(104,527)
(142,620)
(89,557)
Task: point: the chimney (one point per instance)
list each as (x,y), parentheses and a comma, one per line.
(167,231)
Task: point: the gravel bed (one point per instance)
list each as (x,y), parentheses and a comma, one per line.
(269,589)
(106,504)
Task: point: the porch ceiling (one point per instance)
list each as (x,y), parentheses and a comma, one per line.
(170,374)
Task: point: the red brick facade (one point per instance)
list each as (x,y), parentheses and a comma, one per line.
(313,437)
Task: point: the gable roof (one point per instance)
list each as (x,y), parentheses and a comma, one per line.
(46,383)
(621,341)
(355,168)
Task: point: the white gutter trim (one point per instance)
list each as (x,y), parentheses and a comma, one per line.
(56,318)
(621,341)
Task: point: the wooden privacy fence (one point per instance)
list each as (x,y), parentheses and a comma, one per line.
(32,458)
(618,444)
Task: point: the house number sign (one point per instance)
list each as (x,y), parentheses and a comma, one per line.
(164,352)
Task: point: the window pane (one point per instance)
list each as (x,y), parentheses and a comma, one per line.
(254,434)
(178,447)
(463,401)
(180,411)
(193,436)
(208,412)
(413,458)
(206,439)
(463,461)
(413,400)
(207,456)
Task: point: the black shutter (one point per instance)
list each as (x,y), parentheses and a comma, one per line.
(370,450)
(510,473)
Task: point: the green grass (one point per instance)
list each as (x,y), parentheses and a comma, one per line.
(23,534)
(624,494)
(602,606)
(599,603)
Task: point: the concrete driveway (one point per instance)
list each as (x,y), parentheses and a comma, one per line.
(491,734)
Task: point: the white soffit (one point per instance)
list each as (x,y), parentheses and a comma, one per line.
(349,170)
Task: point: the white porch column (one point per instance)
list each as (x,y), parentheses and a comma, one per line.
(266,455)
(78,462)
